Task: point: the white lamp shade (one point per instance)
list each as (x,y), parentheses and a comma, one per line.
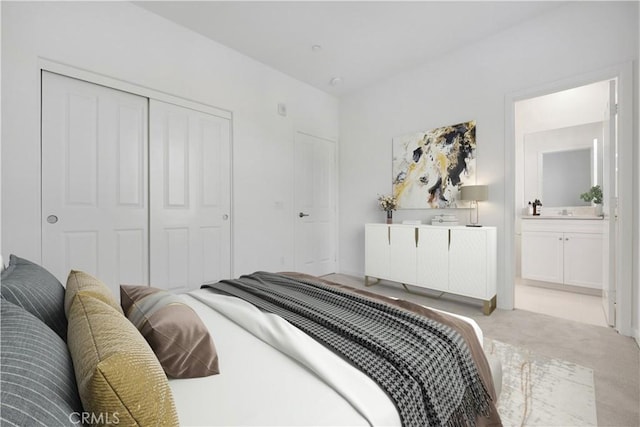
(474,192)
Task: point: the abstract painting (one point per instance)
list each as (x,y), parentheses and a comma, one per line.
(430,167)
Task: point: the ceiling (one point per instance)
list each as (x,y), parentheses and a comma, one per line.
(359,42)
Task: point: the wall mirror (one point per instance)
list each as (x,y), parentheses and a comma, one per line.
(566,175)
(561,164)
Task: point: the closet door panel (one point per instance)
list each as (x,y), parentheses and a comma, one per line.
(177,257)
(131,157)
(176,165)
(94,180)
(213,197)
(80,144)
(81,250)
(213,166)
(190,192)
(131,257)
(212,268)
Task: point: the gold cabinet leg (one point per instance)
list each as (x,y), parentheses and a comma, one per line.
(366,281)
(489,306)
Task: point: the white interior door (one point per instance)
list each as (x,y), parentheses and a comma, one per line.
(190,197)
(315,206)
(610,190)
(94,181)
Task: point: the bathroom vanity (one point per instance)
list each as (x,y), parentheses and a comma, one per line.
(564,249)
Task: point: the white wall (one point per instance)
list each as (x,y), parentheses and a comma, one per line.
(470,84)
(123,41)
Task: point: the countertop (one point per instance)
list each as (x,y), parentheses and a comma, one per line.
(574,217)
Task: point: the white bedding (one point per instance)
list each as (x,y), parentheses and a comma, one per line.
(283,378)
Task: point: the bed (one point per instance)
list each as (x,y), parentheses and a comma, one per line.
(267,372)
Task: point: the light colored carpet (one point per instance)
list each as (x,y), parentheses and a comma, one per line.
(542,391)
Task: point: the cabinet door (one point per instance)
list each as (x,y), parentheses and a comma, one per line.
(542,256)
(433,258)
(376,250)
(468,263)
(402,254)
(583,259)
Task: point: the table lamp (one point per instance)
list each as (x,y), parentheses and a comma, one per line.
(474,193)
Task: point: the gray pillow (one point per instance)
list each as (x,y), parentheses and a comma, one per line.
(36,290)
(37,381)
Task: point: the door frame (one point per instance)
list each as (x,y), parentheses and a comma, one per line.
(624,269)
(125,86)
(48,65)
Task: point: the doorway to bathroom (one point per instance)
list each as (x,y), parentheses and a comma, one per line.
(565,147)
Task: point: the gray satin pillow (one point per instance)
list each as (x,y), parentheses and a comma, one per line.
(33,288)
(37,381)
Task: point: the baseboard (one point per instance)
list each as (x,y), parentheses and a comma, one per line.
(636,336)
(352,273)
(561,287)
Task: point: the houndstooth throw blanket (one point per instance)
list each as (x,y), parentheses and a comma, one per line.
(424,366)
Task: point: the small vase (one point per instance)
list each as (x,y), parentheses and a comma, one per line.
(597,209)
(389,217)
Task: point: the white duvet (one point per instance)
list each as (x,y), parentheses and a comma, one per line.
(273,374)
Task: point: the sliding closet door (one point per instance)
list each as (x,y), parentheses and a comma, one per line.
(190,197)
(94,181)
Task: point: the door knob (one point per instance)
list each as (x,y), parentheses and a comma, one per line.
(52,219)
(302,214)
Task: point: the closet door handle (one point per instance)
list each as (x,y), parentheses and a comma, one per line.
(52,219)
(302,214)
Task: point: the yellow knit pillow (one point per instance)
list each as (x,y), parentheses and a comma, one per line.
(117,373)
(80,281)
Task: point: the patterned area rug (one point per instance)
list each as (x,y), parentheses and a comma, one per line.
(541,391)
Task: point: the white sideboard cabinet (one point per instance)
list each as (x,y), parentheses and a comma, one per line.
(458,260)
(565,251)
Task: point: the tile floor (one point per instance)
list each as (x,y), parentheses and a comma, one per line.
(558,303)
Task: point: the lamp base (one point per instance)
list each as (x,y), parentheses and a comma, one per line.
(474,225)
